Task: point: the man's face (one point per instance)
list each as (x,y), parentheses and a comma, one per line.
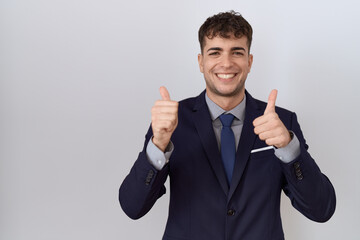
(225,63)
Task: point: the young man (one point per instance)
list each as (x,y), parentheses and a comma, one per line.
(228,155)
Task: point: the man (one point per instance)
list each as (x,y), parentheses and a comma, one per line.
(227,154)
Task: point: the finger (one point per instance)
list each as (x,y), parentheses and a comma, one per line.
(164,93)
(162,103)
(272,141)
(264,119)
(266,135)
(275,141)
(270,107)
(271,133)
(164,110)
(163,115)
(164,125)
(261,129)
(259,121)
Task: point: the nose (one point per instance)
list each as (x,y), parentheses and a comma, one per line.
(226,61)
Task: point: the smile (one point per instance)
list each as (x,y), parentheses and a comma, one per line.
(225,76)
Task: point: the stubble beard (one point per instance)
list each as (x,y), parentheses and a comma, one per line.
(237,91)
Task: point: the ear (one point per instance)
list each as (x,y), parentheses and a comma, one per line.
(200,61)
(250,61)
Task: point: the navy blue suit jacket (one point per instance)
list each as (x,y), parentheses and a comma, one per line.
(202,205)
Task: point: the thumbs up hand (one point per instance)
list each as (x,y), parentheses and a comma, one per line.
(269,127)
(164,119)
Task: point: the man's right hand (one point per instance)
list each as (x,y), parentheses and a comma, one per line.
(164,119)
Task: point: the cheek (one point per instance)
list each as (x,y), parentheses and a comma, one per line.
(245,67)
(209,67)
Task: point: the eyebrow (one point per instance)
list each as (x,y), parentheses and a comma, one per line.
(220,49)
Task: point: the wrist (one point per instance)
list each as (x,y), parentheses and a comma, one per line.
(160,144)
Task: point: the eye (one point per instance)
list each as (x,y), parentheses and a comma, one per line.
(238,53)
(214,53)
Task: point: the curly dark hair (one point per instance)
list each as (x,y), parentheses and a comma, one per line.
(225,25)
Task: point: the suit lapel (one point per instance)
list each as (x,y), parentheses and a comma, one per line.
(204,128)
(247,140)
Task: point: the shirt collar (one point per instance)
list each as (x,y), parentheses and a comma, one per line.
(216,111)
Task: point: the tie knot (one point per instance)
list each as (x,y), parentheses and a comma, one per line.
(226,119)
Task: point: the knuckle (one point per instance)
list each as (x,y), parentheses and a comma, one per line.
(169,124)
(261,136)
(277,123)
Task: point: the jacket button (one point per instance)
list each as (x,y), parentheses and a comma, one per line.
(296,165)
(300,176)
(231,212)
(149,177)
(298,172)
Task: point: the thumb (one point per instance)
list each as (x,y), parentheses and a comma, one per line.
(164,93)
(270,107)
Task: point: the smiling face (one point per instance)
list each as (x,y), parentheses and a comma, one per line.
(225,63)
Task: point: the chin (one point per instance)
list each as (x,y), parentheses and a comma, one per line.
(228,93)
(231,92)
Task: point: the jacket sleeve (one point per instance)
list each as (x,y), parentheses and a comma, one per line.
(142,186)
(309,190)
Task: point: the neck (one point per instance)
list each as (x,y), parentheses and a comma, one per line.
(225,102)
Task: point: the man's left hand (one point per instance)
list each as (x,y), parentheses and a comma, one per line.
(269,127)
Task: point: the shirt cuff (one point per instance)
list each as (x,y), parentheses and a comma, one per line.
(290,151)
(156,157)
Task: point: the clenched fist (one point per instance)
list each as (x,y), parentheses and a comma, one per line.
(164,119)
(269,127)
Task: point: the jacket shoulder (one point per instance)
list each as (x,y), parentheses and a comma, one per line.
(192,103)
(279,110)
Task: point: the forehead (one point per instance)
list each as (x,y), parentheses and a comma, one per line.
(225,43)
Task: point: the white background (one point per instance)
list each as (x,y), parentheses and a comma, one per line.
(78,79)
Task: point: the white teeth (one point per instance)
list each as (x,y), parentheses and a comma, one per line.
(226,76)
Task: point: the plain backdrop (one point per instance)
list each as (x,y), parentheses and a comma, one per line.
(78,79)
